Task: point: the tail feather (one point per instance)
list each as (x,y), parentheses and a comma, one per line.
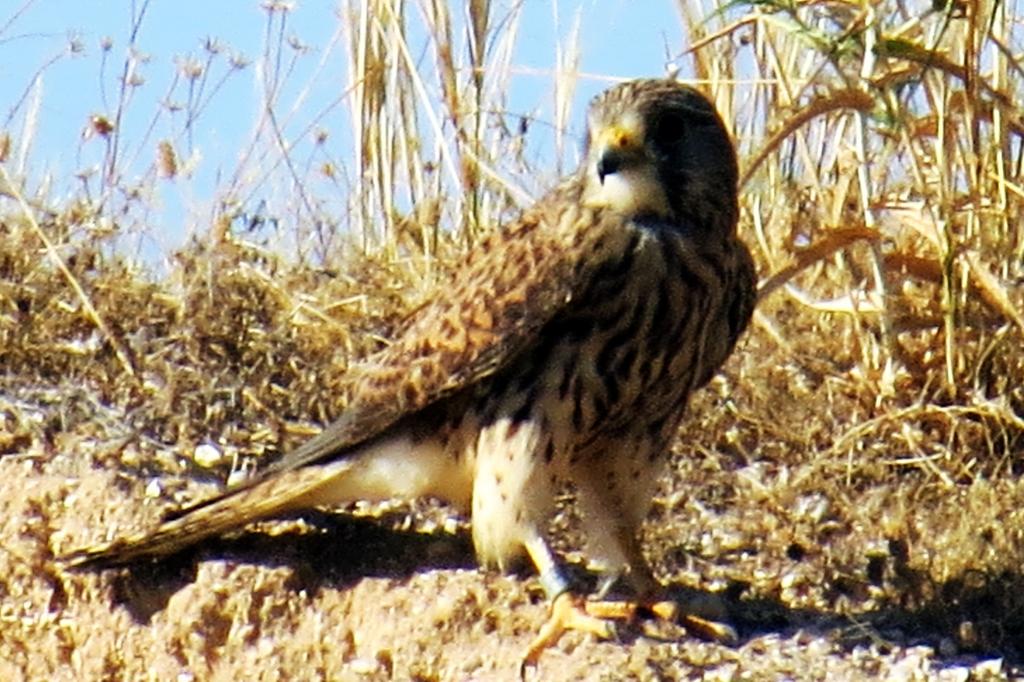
(232,510)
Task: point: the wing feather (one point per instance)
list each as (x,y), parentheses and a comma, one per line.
(497,300)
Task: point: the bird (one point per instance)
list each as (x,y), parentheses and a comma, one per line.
(561,352)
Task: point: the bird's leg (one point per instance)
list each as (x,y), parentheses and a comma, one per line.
(569,610)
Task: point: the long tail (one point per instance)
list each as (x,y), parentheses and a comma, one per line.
(233,509)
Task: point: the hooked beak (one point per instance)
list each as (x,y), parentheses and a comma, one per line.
(610,162)
(619,147)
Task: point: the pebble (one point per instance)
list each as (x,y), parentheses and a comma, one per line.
(153,488)
(207,455)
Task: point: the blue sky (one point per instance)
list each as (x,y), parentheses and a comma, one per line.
(620,38)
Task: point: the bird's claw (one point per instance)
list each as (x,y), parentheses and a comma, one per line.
(571,611)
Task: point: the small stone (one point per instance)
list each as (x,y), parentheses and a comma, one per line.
(812,508)
(791,579)
(130,457)
(991,668)
(363,666)
(154,489)
(207,455)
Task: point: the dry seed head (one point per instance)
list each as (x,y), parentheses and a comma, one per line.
(277,6)
(166,160)
(238,61)
(98,125)
(212,45)
(191,68)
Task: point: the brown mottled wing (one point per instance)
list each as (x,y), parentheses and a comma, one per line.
(501,295)
(508,287)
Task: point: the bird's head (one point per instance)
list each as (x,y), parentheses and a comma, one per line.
(658,149)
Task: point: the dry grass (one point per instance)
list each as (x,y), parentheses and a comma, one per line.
(860,458)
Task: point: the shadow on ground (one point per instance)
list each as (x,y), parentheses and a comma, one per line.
(979,614)
(331,550)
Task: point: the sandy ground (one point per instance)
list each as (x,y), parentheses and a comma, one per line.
(340,597)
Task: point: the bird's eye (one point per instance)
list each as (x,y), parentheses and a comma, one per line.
(669,130)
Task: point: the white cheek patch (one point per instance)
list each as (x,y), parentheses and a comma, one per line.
(633,191)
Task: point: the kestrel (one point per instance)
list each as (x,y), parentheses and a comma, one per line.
(562,351)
